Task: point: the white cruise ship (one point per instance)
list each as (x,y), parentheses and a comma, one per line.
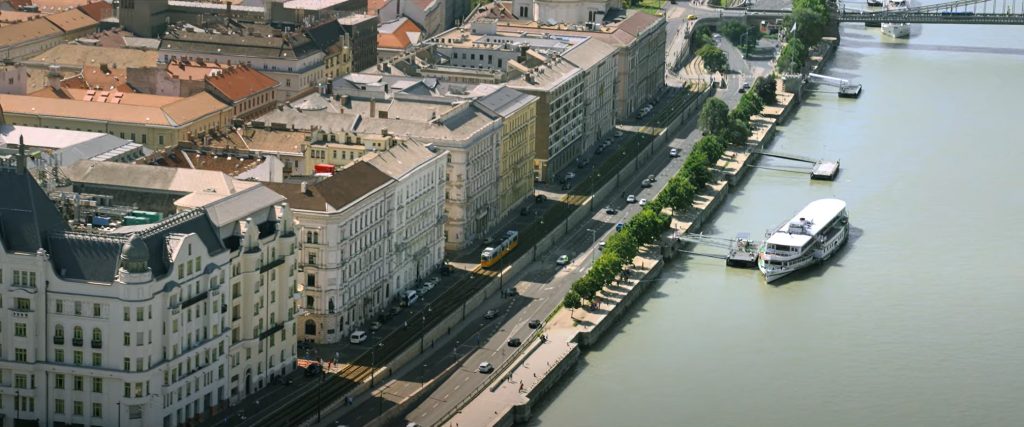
(897,30)
(812,236)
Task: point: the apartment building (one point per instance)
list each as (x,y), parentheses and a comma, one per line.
(366,234)
(154,301)
(518,111)
(366,112)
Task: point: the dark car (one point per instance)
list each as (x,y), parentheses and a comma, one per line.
(490,314)
(514,342)
(540,198)
(534,324)
(509,292)
(313,370)
(395,310)
(611,211)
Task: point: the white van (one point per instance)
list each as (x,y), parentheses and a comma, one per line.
(357,337)
(409,298)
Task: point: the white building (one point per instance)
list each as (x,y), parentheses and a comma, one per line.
(367,233)
(150,325)
(563,11)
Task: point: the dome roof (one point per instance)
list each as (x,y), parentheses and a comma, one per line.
(135,250)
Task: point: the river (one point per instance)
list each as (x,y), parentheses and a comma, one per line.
(918,321)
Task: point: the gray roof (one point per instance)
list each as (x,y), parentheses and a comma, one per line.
(589,53)
(26,213)
(401,159)
(261,44)
(505,101)
(92,257)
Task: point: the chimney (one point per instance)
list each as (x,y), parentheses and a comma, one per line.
(53,77)
(373,107)
(229,10)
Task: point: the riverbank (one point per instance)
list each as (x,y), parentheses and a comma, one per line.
(511,398)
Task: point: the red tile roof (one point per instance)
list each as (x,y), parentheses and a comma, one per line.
(98,10)
(71,20)
(399,39)
(238,82)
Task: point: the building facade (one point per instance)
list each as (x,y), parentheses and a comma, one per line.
(181,316)
(518,132)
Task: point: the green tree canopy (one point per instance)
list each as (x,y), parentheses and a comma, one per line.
(792,57)
(571,301)
(737,132)
(713,116)
(765,88)
(714,59)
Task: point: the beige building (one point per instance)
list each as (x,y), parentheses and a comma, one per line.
(518,112)
(74,23)
(28,38)
(150,120)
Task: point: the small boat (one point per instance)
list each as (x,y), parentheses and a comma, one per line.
(812,236)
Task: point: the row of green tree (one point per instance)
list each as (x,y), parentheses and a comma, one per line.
(810,18)
(721,127)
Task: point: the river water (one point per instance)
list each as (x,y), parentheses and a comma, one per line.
(918,321)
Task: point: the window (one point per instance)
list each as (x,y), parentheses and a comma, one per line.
(78,308)
(97,410)
(78,383)
(77,409)
(97,385)
(140,314)
(23,304)
(77,357)
(127,314)
(20,330)
(127,365)
(58,381)
(58,406)
(58,355)
(20,355)
(97,359)
(97,337)
(96,310)
(59,306)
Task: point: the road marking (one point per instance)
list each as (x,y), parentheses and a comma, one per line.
(457,387)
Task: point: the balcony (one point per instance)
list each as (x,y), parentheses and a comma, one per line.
(77,342)
(58,340)
(96,344)
(271,331)
(271,265)
(193,300)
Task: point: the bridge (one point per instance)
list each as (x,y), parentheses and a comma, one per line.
(978,12)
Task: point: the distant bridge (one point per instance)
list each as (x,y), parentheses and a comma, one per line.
(978,12)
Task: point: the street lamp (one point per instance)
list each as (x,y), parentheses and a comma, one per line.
(593,240)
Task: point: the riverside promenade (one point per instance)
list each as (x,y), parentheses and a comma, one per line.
(509,399)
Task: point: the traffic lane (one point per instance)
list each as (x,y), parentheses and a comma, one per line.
(495,351)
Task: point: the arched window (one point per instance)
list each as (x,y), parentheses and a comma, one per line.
(97,335)
(310,327)
(78,333)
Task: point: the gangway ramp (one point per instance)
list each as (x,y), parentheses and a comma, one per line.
(821,169)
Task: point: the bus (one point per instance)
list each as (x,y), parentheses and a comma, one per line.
(491,255)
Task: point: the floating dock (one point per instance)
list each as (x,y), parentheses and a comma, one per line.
(825,170)
(743,253)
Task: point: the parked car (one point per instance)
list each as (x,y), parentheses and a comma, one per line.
(357,337)
(600,246)
(490,314)
(562,260)
(582,163)
(645,183)
(643,202)
(611,211)
(486,368)
(514,342)
(630,199)
(534,324)
(745,87)
(509,292)
(395,310)
(313,369)
(673,152)
(618,226)
(426,287)
(652,178)
(570,175)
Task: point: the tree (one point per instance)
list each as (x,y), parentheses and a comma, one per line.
(679,192)
(765,88)
(702,37)
(748,41)
(810,25)
(737,131)
(696,167)
(709,146)
(584,288)
(792,57)
(713,116)
(714,59)
(571,301)
(749,105)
